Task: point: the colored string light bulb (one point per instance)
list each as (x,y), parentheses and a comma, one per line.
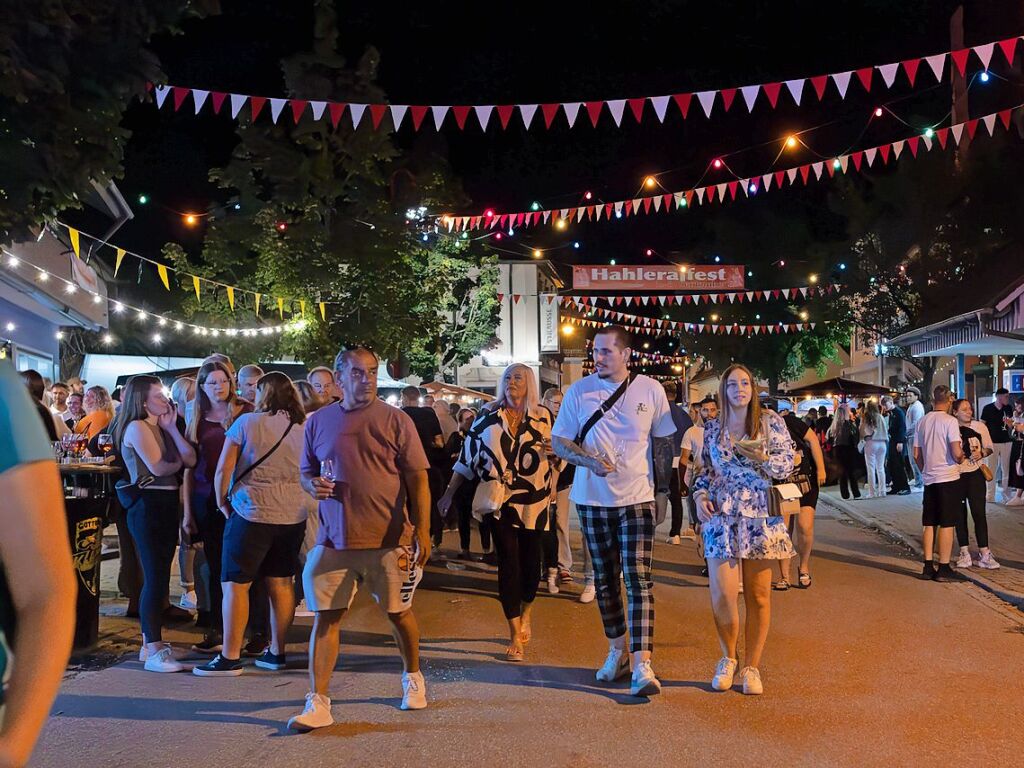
(650,182)
(718,162)
(791,142)
(878,112)
(191,219)
(143,199)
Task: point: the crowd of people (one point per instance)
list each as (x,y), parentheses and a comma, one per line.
(281,496)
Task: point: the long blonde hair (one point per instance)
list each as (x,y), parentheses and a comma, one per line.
(532,399)
(842,416)
(753,420)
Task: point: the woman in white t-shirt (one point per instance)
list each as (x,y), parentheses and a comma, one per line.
(977,445)
(874,432)
(258,491)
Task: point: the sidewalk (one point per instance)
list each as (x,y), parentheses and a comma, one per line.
(899,518)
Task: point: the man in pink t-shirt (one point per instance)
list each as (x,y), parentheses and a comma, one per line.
(375,469)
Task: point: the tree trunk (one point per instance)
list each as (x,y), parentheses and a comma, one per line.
(927,366)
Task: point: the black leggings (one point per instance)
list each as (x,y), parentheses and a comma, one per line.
(847,458)
(519,552)
(675,500)
(153,521)
(210,522)
(463,503)
(973,490)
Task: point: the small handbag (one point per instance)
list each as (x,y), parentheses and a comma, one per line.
(783,499)
(490,496)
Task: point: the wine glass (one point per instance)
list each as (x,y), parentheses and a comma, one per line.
(105,443)
(327,470)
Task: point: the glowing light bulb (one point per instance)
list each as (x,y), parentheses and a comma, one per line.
(813,279)
(650,182)
(749,273)
(836,164)
(718,259)
(96,298)
(191,219)
(842,266)
(561,224)
(568,330)
(878,112)
(791,142)
(753,189)
(588,195)
(281,226)
(108,339)
(649,252)
(498,236)
(782,262)
(13,262)
(143,199)
(984,77)
(928,133)
(489,213)
(717,163)
(70,288)
(803,315)
(534,206)
(141,315)
(576,244)
(714,318)
(612,262)
(537,253)
(43,277)
(157,338)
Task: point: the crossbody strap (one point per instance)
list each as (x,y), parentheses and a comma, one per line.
(605,407)
(262,458)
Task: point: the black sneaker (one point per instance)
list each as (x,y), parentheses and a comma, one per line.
(273,661)
(944,573)
(219,667)
(928,572)
(211,643)
(256,645)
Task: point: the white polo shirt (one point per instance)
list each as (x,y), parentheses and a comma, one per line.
(623,435)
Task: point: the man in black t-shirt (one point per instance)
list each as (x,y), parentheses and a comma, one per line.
(428,427)
(999,462)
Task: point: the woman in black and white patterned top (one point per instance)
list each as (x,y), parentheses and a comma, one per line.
(508,449)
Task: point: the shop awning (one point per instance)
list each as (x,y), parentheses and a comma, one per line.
(838,386)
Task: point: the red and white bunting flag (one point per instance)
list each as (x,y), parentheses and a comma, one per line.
(910,67)
(888,72)
(160,95)
(771,90)
(572,109)
(818,168)
(660,104)
(199,98)
(616,107)
(960,60)
(820,83)
(984,53)
(579,214)
(483,115)
(990,124)
(707,101)
(439,113)
(937,64)
(356,112)
(750,95)
(179,95)
(796,89)
(842,81)
(527,111)
(957,131)
(276,105)
(864,75)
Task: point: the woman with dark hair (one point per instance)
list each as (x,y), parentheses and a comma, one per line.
(213,411)
(744,450)
(977,445)
(844,437)
(1015,426)
(258,492)
(146,436)
(309,397)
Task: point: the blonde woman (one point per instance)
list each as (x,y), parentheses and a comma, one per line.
(99,412)
(744,450)
(507,450)
(874,431)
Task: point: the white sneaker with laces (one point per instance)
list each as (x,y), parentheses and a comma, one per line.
(588,594)
(614,667)
(317,714)
(553,581)
(414,691)
(164,661)
(964,561)
(644,682)
(188,601)
(725,674)
(751,678)
(673,540)
(988,562)
(176,653)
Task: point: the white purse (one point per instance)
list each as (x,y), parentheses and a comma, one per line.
(489,497)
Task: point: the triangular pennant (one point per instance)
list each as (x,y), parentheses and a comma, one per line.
(771,90)
(958,131)
(356,111)
(707,101)
(237,102)
(884,152)
(1004,116)
(766,181)
(984,53)
(750,95)
(299,106)
(398,114)
(869,155)
(972,127)
(910,67)
(120,257)
(820,83)
(660,104)
(199,98)
(549,111)
(335,109)
(657,204)
(818,168)
(796,89)
(990,124)
(594,110)
(616,106)
(160,94)
(791,173)
(195,286)
(897,148)
(483,115)
(276,105)
(377,112)
(161,270)
(75,245)
(505,114)
(1008,46)
(460,113)
(572,110)
(682,101)
(942,135)
(179,96)
(912,142)
(323,310)
(779,176)
(937,64)
(526,112)
(805,172)
(318,108)
(439,113)
(864,75)
(728,96)
(888,72)
(842,81)
(857,157)
(256,103)
(960,59)
(217,99)
(231,297)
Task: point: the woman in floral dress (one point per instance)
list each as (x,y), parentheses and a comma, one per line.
(744,450)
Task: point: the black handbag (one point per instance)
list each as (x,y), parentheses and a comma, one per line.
(568,473)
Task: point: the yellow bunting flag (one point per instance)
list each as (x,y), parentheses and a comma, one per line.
(323,311)
(280,308)
(120,258)
(231,297)
(73,234)
(195,284)
(302,308)
(162,271)
(258,297)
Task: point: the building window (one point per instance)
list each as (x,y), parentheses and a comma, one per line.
(26,359)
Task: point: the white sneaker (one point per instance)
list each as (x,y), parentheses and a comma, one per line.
(188,601)
(317,714)
(988,562)
(164,661)
(614,667)
(964,561)
(588,594)
(673,540)
(414,691)
(644,682)
(751,678)
(689,534)
(176,653)
(725,674)
(553,581)
(1016,501)
(301,609)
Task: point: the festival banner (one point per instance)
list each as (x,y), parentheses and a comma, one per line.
(592,277)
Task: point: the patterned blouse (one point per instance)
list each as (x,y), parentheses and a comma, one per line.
(491,454)
(737,486)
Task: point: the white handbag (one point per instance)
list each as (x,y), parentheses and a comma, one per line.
(489,497)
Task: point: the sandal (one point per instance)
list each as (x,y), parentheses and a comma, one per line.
(781,586)
(805,581)
(514,654)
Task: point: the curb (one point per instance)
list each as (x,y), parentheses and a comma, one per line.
(893,533)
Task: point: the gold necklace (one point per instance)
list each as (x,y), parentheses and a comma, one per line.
(514,418)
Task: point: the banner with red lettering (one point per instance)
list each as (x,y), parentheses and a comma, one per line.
(589,277)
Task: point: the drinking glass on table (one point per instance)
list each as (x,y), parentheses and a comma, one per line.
(105,443)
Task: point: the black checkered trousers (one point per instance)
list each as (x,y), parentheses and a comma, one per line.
(621,541)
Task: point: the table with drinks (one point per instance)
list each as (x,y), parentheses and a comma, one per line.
(88,493)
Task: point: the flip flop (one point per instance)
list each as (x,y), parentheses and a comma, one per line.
(781,586)
(805,581)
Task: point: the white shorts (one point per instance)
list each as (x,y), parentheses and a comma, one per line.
(332,577)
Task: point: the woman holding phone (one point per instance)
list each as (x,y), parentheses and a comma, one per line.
(744,450)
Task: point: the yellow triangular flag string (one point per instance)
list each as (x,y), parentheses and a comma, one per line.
(75,246)
(258,297)
(195,284)
(302,308)
(120,258)
(280,308)
(231,297)
(323,311)
(162,271)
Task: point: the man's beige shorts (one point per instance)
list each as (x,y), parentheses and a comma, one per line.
(332,577)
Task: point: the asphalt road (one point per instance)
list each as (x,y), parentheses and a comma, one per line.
(869,667)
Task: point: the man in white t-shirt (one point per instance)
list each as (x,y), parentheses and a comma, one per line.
(614,492)
(915,412)
(938,453)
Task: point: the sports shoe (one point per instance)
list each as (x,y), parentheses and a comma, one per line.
(414,691)
(689,534)
(317,714)
(673,540)
(588,594)
(1016,501)
(302,610)
(176,653)
(256,645)
(564,576)
(211,643)
(945,574)
(188,601)
(219,667)
(725,674)
(274,661)
(644,683)
(614,667)
(553,581)
(988,562)
(928,572)
(751,678)
(164,661)
(964,561)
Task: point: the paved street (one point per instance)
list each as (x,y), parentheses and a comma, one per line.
(871,666)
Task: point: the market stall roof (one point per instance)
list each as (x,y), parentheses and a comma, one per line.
(837,385)
(440,389)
